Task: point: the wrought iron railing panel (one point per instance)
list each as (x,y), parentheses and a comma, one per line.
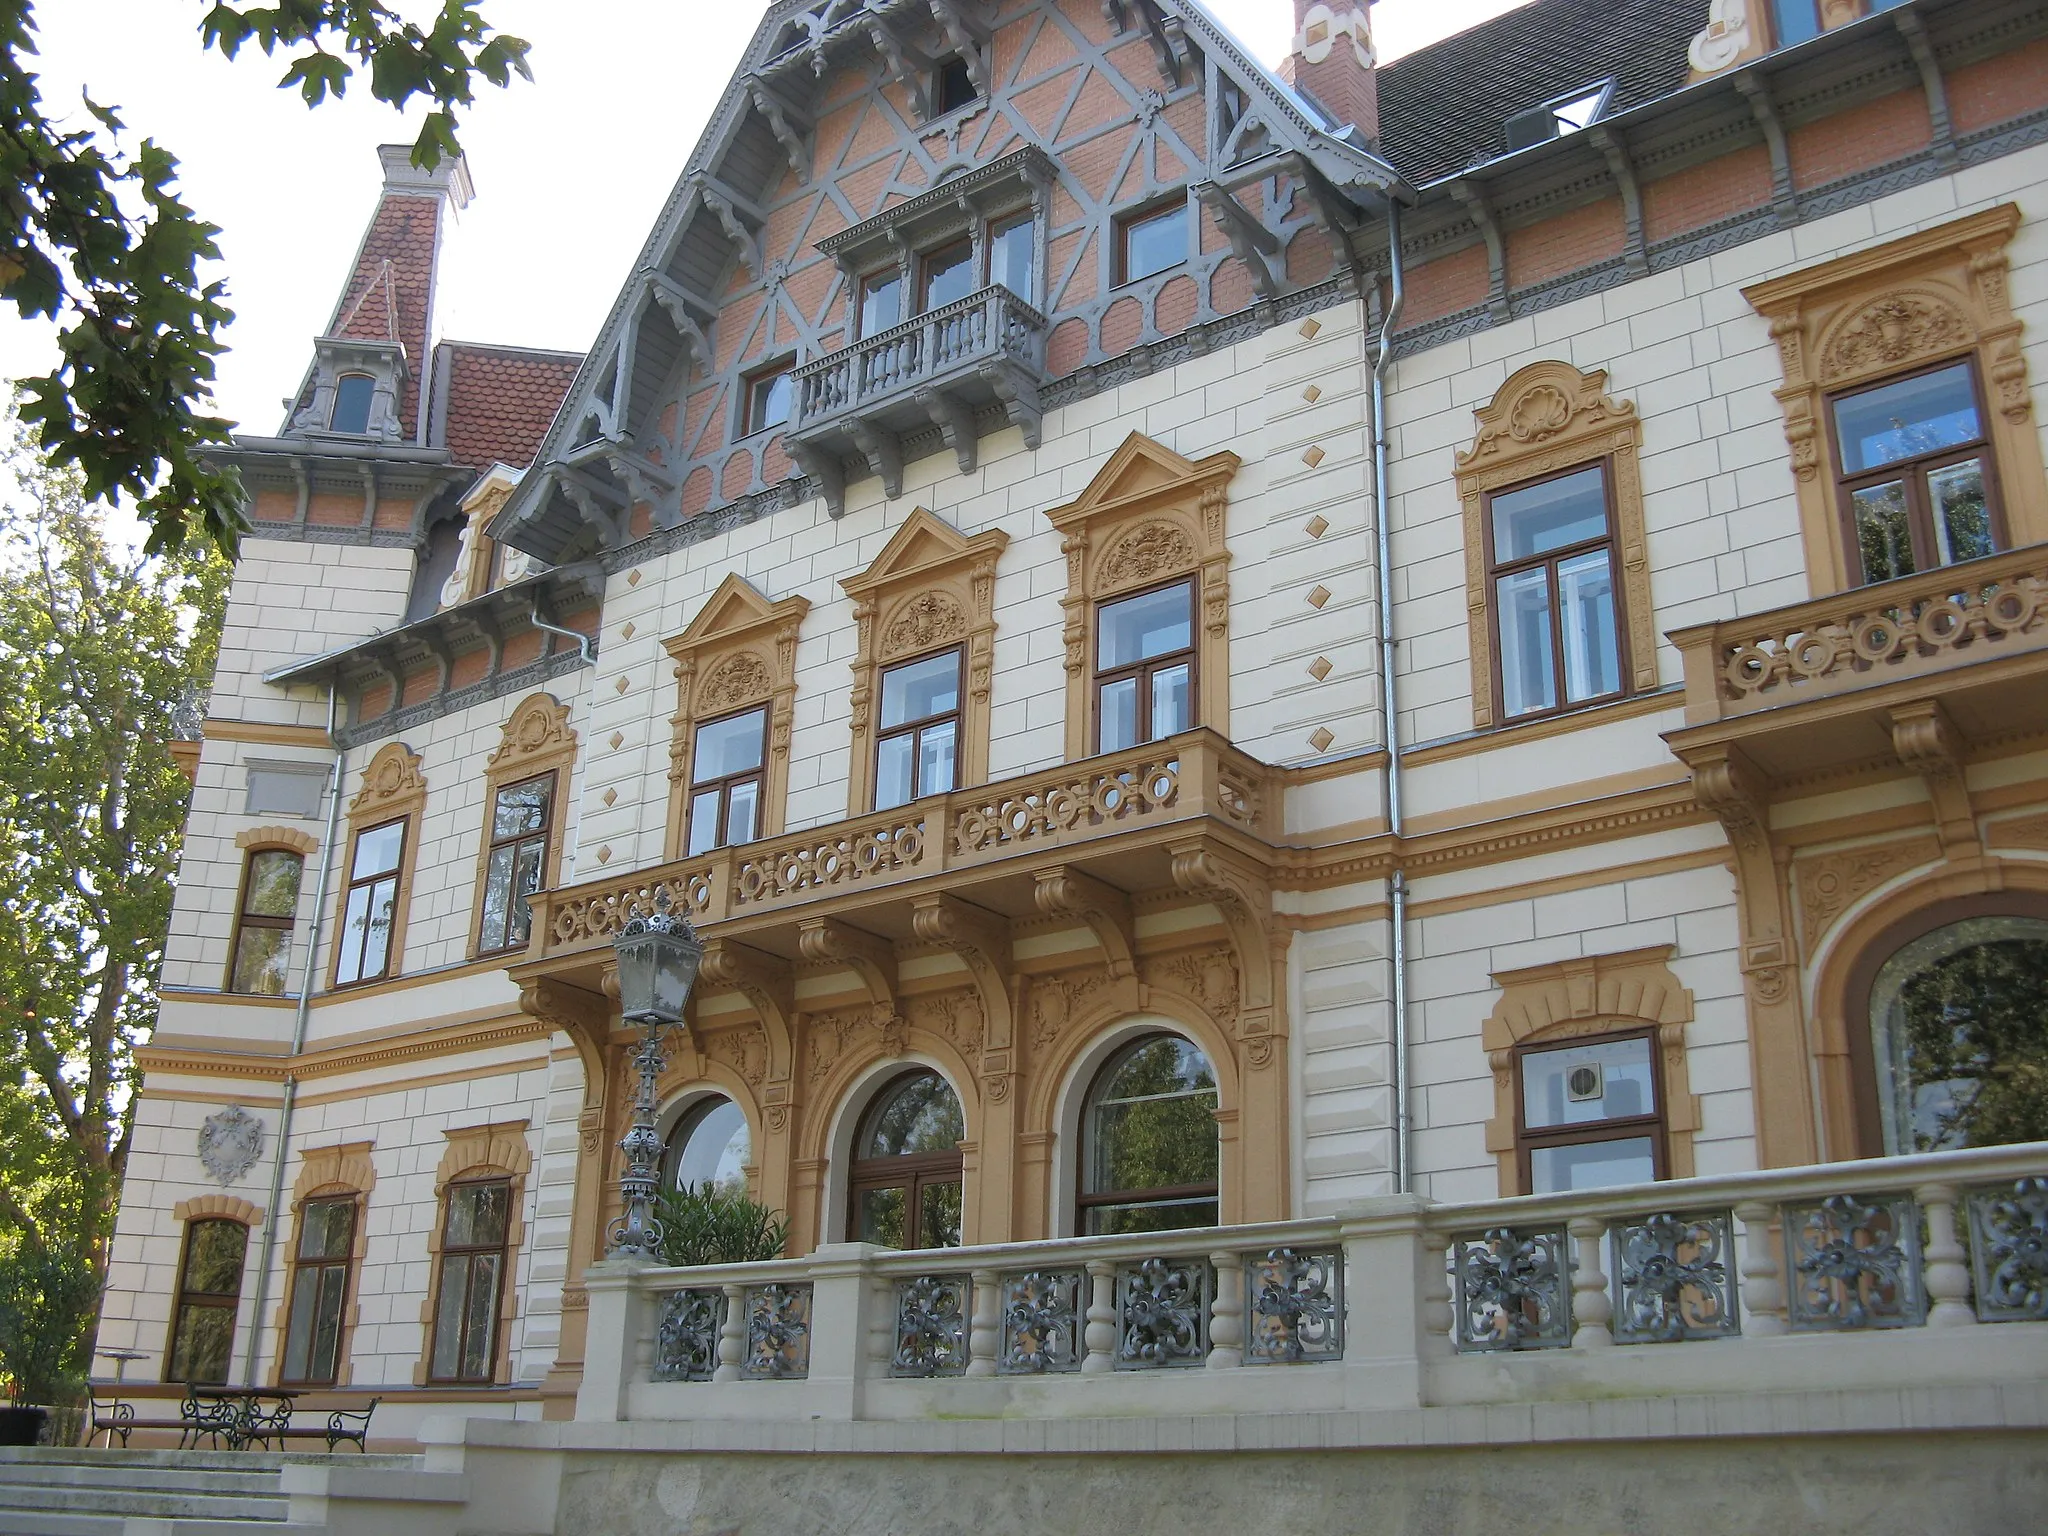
(1294,1307)
(1854,1262)
(778,1333)
(1512,1290)
(1673,1279)
(2009,1251)
(931,1326)
(1041,1323)
(1162,1313)
(686,1342)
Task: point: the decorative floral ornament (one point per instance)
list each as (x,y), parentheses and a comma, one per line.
(229,1143)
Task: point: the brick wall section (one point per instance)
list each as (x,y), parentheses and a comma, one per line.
(1995,89)
(1581,238)
(402,232)
(501,401)
(1859,138)
(1444,286)
(1702,194)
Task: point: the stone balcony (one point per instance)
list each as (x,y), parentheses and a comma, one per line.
(1843,1281)
(951,376)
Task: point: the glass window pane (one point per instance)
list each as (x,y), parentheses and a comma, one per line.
(728,746)
(1527,675)
(704,822)
(214,1251)
(1138,628)
(298,1333)
(1120,715)
(526,880)
(352,395)
(881,304)
(1591,1165)
(1151,1122)
(1907,418)
(448,1315)
(768,401)
(1584,1084)
(1172,709)
(938,1224)
(881,1217)
(497,899)
(1152,1216)
(742,805)
(948,274)
(355,923)
(377,850)
(1592,654)
(382,907)
(1154,244)
(333,1286)
(1962,521)
(204,1344)
(273,884)
(919,1114)
(935,759)
(1884,533)
(325,1228)
(1551,514)
(262,961)
(917,690)
(1009,255)
(522,808)
(892,771)
(476,1215)
(483,1308)
(716,1149)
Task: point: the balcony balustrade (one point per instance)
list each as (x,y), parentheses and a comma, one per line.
(1106,807)
(1876,1274)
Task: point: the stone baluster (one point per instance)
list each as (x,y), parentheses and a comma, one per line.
(1100,1335)
(732,1338)
(1946,1269)
(1763,1289)
(881,1345)
(1591,1309)
(1226,1313)
(984,1331)
(1435,1316)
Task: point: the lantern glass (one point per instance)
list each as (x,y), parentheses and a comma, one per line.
(656,971)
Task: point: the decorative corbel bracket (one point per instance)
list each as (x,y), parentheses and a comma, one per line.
(1621,166)
(683,307)
(955,423)
(590,498)
(584,1016)
(765,982)
(1250,241)
(906,65)
(1472,198)
(982,941)
(822,466)
(1066,892)
(1169,41)
(826,941)
(884,453)
(726,206)
(1927,742)
(1242,896)
(1756,89)
(1019,396)
(1940,125)
(970,40)
(788,122)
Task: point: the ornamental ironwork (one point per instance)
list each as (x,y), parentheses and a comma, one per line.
(1855,1262)
(1674,1279)
(1512,1290)
(2009,1249)
(778,1333)
(931,1326)
(686,1342)
(1162,1312)
(1040,1323)
(1294,1307)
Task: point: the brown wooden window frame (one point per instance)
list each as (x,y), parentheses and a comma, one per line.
(915,729)
(1085,1199)
(219,1301)
(545,837)
(881,277)
(912,1172)
(1656,1126)
(449,1252)
(316,1271)
(1144,670)
(725,783)
(1914,471)
(245,919)
(967,242)
(1137,219)
(1549,560)
(950,70)
(396,874)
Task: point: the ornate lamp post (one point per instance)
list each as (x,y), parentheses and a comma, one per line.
(658,956)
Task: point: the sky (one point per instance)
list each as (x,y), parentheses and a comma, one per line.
(569,170)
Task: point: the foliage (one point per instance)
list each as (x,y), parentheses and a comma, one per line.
(99,645)
(96,238)
(718,1224)
(47,1299)
(1975,1025)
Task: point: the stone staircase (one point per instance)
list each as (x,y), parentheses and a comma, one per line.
(51,1492)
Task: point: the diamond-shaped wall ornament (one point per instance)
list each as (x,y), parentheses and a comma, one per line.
(633,577)
(1319,668)
(621,686)
(610,798)
(1313,457)
(1318,526)
(626,631)
(616,740)
(1319,596)
(604,854)
(1312,394)
(1309,329)
(1320,738)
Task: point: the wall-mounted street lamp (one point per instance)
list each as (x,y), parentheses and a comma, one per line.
(658,956)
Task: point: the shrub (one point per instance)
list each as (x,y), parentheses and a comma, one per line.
(710,1224)
(47,1298)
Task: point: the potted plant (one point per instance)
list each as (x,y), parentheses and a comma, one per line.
(718,1224)
(47,1297)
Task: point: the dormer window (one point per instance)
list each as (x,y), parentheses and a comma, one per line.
(352,395)
(952,86)
(1559,116)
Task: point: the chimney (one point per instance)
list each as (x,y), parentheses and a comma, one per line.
(1333,61)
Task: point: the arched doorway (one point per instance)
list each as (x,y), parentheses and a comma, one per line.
(904,1184)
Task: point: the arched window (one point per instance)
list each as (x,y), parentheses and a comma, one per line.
(1149,1143)
(905,1179)
(263,924)
(352,394)
(709,1146)
(209,1290)
(1959,1036)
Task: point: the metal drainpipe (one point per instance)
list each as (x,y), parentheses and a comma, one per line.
(300,1017)
(1388,702)
(582,640)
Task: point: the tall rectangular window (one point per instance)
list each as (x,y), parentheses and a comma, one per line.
(725,780)
(1914,467)
(1552,579)
(209,1290)
(946,274)
(1145,667)
(1152,242)
(320,1265)
(517,862)
(363,948)
(767,401)
(1011,245)
(918,741)
(471,1280)
(1590,1115)
(881,301)
(269,906)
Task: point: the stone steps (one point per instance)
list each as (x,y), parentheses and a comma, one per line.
(74,1492)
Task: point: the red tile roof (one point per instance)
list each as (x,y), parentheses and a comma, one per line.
(501,401)
(397,257)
